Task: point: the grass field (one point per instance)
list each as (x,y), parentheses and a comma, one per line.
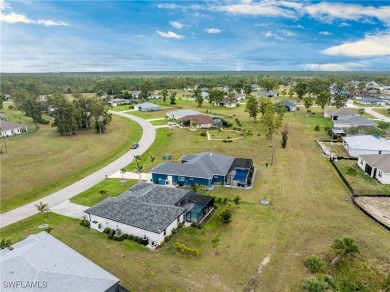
(227,134)
(310,206)
(39,163)
(383,111)
(361,181)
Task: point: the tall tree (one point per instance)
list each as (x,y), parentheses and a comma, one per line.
(308,102)
(339,100)
(164,94)
(252,107)
(323,98)
(317,85)
(197,95)
(102,118)
(64,114)
(263,104)
(272,119)
(173,97)
(216,95)
(247,90)
(300,89)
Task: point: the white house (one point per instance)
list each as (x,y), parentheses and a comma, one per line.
(147,107)
(377,166)
(270,94)
(9,128)
(182,113)
(149,211)
(372,84)
(289,105)
(367,144)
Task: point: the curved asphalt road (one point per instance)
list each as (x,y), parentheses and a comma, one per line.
(148,136)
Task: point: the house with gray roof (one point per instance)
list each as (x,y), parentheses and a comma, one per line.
(371,101)
(376,166)
(149,211)
(366,144)
(207,169)
(182,113)
(353,121)
(9,128)
(270,94)
(43,263)
(289,105)
(340,112)
(147,107)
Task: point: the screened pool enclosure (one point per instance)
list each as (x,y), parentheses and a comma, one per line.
(197,206)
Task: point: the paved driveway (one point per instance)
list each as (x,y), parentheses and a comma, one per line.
(69,209)
(148,136)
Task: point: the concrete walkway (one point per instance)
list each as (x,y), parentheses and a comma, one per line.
(69,209)
(148,136)
(132,175)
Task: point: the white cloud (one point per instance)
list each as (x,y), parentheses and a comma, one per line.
(170,35)
(296,26)
(288,33)
(176,24)
(327,11)
(370,46)
(20,18)
(325,33)
(213,30)
(343,24)
(255,9)
(269,34)
(347,66)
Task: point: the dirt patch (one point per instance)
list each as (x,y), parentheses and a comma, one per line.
(377,207)
(254,281)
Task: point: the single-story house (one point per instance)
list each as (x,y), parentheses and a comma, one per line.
(136,94)
(147,107)
(181,113)
(199,121)
(3,118)
(289,105)
(226,102)
(255,87)
(205,94)
(340,112)
(207,169)
(366,144)
(7,97)
(371,100)
(9,128)
(44,263)
(268,94)
(120,101)
(372,84)
(353,121)
(377,166)
(155,96)
(149,211)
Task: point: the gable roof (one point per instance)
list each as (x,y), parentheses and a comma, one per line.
(41,257)
(341,112)
(355,120)
(146,206)
(288,103)
(200,119)
(380,161)
(6,126)
(370,99)
(202,165)
(368,142)
(182,113)
(147,105)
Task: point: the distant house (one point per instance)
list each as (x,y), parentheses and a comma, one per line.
(341,112)
(352,121)
(207,169)
(226,102)
(196,121)
(255,87)
(9,128)
(373,92)
(42,97)
(366,144)
(205,94)
(181,113)
(376,166)
(120,101)
(50,265)
(3,118)
(372,84)
(147,107)
(149,211)
(155,96)
(371,101)
(135,94)
(270,94)
(7,97)
(289,105)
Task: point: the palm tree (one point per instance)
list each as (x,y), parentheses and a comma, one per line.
(103,193)
(5,243)
(151,158)
(345,247)
(42,208)
(123,171)
(138,168)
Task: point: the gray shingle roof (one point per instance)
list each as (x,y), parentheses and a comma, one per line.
(147,105)
(370,99)
(202,165)
(42,257)
(355,120)
(5,126)
(341,112)
(182,113)
(288,103)
(146,206)
(380,161)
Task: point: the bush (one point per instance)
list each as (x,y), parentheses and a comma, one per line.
(107,230)
(130,237)
(112,232)
(224,200)
(383,125)
(196,225)
(85,223)
(116,238)
(43,121)
(236,200)
(351,171)
(181,224)
(204,133)
(110,236)
(225,216)
(227,140)
(319,283)
(314,264)
(218,200)
(182,248)
(174,231)
(317,128)
(193,224)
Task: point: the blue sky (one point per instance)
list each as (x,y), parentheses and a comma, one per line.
(230,35)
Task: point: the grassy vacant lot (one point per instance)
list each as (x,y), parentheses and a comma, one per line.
(39,163)
(310,206)
(360,181)
(383,111)
(228,134)
(113,186)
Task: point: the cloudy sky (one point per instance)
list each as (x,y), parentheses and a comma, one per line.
(230,35)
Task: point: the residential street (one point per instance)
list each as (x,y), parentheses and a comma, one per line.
(370,111)
(148,136)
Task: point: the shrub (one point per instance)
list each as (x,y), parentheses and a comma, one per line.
(85,223)
(48,229)
(116,237)
(227,140)
(110,236)
(182,248)
(107,230)
(314,264)
(225,216)
(204,133)
(174,231)
(383,125)
(236,200)
(193,224)
(181,224)
(317,128)
(351,171)
(130,237)
(319,283)
(218,199)
(225,200)
(112,232)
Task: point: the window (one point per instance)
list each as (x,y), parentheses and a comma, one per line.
(380,173)
(361,161)
(165,232)
(181,178)
(380,152)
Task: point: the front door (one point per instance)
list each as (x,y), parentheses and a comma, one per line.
(368,169)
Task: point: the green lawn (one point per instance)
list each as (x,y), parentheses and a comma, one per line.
(383,111)
(310,207)
(361,181)
(113,186)
(159,122)
(40,163)
(226,134)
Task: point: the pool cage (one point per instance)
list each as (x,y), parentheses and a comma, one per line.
(197,206)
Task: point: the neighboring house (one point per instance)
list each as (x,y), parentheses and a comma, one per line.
(255,87)
(340,91)
(372,84)
(353,121)
(174,115)
(149,211)
(120,101)
(9,128)
(196,121)
(371,100)
(271,94)
(3,118)
(360,96)
(205,94)
(147,107)
(206,168)
(155,96)
(226,102)
(7,97)
(341,112)
(373,92)
(366,144)
(377,166)
(136,94)
(289,105)
(51,265)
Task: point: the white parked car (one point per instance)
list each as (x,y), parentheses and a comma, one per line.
(171,123)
